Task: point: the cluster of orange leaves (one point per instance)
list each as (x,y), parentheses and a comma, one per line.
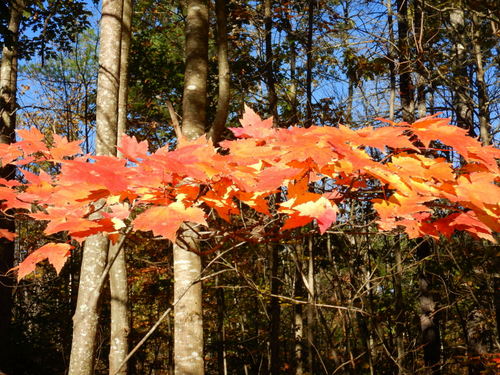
(409,185)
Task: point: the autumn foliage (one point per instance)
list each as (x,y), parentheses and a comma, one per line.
(426,178)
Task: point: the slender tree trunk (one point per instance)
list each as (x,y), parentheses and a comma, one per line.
(8,89)
(294,117)
(421,80)
(118,282)
(299,293)
(476,346)
(405,64)
(482,90)
(429,325)
(461,84)
(95,253)
(221,335)
(391,57)
(309,63)
(496,298)
(275,312)
(188,323)
(269,65)
(310,307)
(219,123)
(398,295)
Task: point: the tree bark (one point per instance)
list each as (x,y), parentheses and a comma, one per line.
(461,89)
(269,63)
(221,334)
(405,64)
(311,297)
(219,123)
(391,56)
(299,293)
(482,90)
(421,79)
(195,79)
(429,325)
(188,323)
(95,252)
(398,295)
(309,63)
(118,282)
(8,89)
(275,312)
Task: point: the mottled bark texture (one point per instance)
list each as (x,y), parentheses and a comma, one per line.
(118,283)
(406,87)
(482,89)
(95,253)
(195,78)
(215,132)
(188,323)
(429,322)
(461,82)
(8,88)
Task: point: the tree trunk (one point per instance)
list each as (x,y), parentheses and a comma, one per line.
(188,323)
(405,64)
(310,307)
(309,63)
(269,64)
(421,79)
(118,283)
(275,311)
(195,79)
(299,293)
(221,335)
(482,90)
(8,89)
(219,123)
(398,295)
(95,252)
(391,56)
(461,89)
(429,326)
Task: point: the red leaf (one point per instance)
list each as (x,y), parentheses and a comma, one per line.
(166,220)
(254,126)
(132,149)
(4,233)
(63,148)
(56,253)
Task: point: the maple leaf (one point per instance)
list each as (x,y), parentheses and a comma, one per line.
(55,253)
(133,149)
(4,233)
(320,209)
(62,148)
(166,220)
(9,153)
(466,221)
(254,126)
(32,140)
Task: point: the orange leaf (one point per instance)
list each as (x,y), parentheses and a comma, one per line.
(253,126)
(166,220)
(4,233)
(56,253)
(64,148)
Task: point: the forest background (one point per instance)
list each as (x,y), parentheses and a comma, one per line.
(352,301)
